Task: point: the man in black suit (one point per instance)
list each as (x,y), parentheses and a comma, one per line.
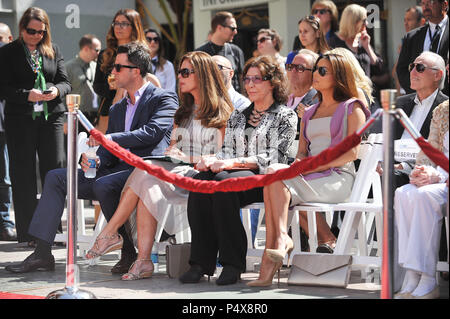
(433,36)
(140,122)
(427,77)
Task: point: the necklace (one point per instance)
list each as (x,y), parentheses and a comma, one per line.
(255,117)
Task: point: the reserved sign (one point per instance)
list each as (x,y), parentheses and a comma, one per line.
(405,149)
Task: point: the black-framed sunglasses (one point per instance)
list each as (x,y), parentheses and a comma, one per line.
(150,39)
(230,27)
(31,31)
(223,67)
(185,73)
(256,79)
(321,69)
(122,25)
(321,11)
(119,67)
(298,67)
(263,39)
(419,67)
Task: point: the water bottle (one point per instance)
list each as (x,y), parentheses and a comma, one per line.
(91,155)
(154,257)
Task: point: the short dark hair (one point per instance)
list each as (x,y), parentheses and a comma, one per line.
(418,11)
(138,54)
(220,18)
(86,40)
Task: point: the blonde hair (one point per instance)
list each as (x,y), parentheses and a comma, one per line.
(350,17)
(330,6)
(362,80)
(215,106)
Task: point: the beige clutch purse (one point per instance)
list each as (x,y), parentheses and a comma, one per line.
(320,270)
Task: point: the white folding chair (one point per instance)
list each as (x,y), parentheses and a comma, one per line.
(360,212)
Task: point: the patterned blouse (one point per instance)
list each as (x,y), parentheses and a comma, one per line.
(438,128)
(267,143)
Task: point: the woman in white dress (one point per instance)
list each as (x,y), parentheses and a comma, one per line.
(162,68)
(337,115)
(198,130)
(418,215)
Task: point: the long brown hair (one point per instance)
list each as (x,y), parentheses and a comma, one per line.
(215,105)
(345,87)
(322,45)
(137,34)
(45,46)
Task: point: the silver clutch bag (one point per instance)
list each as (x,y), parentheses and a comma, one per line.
(320,270)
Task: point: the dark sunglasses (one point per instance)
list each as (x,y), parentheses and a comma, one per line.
(263,39)
(321,11)
(230,27)
(298,67)
(223,67)
(119,67)
(419,67)
(185,73)
(122,25)
(322,70)
(150,39)
(256,79)
(31,31)
(96,50)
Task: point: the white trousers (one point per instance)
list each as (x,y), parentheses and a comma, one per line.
(418,217)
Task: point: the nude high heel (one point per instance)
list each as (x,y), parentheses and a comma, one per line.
(278,255)
(260,282)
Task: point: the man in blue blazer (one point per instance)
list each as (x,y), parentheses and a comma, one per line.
(141,122)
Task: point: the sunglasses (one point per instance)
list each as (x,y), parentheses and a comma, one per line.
(150,39)
(263,39)
(321,11)
(256,79)
(96,50)
(230,27)
(223,67)
(419,67)
(31,31)
(122,25)
(298,67)
(119,67)
(185,73)
(322,70)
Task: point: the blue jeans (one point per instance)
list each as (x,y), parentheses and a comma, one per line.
(5,185)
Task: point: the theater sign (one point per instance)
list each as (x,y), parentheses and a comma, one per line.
(227,4)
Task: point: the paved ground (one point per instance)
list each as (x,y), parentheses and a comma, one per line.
(99,281)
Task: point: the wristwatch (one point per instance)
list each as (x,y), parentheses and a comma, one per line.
(241,162)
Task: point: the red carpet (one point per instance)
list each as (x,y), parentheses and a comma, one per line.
(7,295)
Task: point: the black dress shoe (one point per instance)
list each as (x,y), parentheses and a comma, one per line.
(8,234)
(123,265)
(193,275)
(230,275)
(33,263)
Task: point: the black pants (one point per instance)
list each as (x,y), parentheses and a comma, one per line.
(216,224)
(26,138)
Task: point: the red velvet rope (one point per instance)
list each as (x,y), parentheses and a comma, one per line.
(232,184)
(433,154)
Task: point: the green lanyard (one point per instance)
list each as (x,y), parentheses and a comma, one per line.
(36,66)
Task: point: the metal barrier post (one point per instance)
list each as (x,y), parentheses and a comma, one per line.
(71,290)
(387,283)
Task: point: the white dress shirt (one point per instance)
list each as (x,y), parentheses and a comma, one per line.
(430,33)
(420,112)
